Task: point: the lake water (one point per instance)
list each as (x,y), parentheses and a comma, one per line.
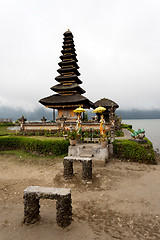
(151,127)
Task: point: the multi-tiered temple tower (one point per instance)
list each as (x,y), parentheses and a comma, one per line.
(69,93)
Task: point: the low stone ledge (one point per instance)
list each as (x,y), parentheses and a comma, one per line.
(137,140)
(77,158)
(47,192)
(32,195)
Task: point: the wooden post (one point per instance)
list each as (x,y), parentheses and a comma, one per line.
(54,115)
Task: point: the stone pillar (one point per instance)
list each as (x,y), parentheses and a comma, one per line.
(54,118)
(31,208)
(110,149)
(62,119)
(68,168)
(87,170)
(64,211)
(22,120)
(112,138)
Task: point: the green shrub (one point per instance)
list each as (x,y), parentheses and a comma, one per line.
(128,126)
(119,133)
(91,133)
(134,152)
(7,124)
(56,148)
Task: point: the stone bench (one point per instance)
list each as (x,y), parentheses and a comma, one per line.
(32,196)
(86,167)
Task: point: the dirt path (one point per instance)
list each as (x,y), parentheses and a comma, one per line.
(121,203)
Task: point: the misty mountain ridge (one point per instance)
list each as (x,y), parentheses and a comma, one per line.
(138,114)
(14,114)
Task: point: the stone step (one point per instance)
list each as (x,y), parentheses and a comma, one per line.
(87,148)
(87,153)
(98,154)
(98,162)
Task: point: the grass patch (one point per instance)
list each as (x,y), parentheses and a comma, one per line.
(46,138)
(18,153)
(20,156)
(4,130)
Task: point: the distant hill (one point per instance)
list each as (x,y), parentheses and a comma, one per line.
(14,114)
(133,114)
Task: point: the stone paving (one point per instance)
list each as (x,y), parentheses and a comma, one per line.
(127,134)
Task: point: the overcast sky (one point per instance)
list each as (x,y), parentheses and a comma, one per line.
(117,44)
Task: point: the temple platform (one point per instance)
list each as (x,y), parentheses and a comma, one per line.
(39,126)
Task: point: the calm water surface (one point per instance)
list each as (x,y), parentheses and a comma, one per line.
(151,127)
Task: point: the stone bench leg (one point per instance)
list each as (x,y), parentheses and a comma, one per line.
(87,170)
(31,208)
(68,168)
(64,211)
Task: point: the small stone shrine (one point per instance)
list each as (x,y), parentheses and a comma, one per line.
(108,104)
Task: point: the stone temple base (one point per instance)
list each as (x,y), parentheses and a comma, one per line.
(137,140)
(96,152)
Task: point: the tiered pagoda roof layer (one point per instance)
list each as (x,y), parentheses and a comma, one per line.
(75,100)
(68,91)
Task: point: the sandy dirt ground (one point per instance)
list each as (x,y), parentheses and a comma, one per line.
(122,202)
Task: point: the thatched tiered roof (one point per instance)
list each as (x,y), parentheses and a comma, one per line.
(107,103)
(69,91)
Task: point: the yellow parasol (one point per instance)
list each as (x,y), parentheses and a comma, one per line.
(79,110)
(99,110)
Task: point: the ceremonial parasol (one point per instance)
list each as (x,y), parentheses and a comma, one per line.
(99,109)
(79,110)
